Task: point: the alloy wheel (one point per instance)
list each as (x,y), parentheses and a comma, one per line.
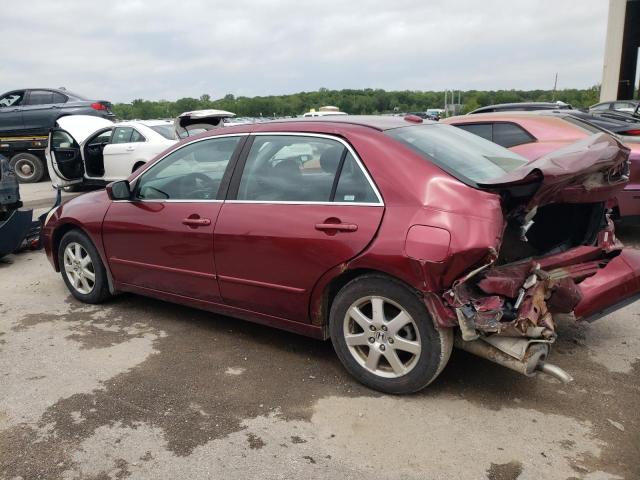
(79,268)
(382,336)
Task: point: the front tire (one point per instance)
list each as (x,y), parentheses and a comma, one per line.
(82,269)
(385,337)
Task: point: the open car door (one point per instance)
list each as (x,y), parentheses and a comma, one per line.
(64,148)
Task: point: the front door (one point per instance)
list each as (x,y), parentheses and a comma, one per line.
(64,159)
(162,239)
(301,205)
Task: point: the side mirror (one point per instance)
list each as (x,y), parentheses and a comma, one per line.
(120,190)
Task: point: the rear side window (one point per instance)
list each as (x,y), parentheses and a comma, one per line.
(509,135)
(353,186)
(58,98)
(467,157)
(283,168)
(40,97)
(122,135)
(136,136)
(483,130)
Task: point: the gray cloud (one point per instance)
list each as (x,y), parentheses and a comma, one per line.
(126,49)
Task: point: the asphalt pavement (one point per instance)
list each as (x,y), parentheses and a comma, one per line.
(141,389)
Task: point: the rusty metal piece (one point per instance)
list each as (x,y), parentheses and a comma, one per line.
(534,355)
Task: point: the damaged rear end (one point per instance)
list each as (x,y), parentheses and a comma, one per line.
(558,257)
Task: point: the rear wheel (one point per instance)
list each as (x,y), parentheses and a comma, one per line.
(384,336)
(28,167)
(82,268)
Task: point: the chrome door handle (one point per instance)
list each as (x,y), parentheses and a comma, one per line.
(196,222)
(341,227)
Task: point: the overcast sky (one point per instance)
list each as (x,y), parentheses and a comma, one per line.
(120,50)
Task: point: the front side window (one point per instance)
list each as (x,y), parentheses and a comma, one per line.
(122,135)
(40,97)
(283,168)
(193,172)
(466,156)
(12,99)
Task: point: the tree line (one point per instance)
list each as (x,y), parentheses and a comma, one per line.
(361,101)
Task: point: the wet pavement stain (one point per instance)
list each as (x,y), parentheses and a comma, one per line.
(162,390)
(185,390)
(504,471)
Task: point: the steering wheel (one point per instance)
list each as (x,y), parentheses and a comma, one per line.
(198,186)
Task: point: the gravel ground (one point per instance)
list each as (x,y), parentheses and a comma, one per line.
(142,389)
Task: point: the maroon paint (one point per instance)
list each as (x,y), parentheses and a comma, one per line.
(149,245)
(270,256)
(273,265)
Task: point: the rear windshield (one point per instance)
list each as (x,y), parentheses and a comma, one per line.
(469,158)
(166,131)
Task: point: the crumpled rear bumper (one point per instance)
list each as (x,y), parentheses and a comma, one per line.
(612,287)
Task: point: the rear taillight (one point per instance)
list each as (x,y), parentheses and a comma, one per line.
(98,106)
(631,132)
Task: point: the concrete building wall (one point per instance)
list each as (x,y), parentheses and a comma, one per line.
(613,50)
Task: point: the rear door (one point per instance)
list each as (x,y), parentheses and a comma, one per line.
(299,204)
(41,110)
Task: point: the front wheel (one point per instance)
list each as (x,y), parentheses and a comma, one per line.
(82,269)
(384,336)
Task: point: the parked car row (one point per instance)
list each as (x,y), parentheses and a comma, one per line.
(394,237)
(536,134)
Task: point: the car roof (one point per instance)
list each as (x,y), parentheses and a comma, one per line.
(539,105)
(377,122)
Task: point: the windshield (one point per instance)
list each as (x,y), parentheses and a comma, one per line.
(466,156)
(166,131)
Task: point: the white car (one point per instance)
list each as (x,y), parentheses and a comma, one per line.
(112,151)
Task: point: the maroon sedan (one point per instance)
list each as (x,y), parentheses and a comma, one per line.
(393,237)
(534,134)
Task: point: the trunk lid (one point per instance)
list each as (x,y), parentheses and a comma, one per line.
(591,170)
(191,123)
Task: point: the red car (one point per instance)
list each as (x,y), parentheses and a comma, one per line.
(534,134)
(393,237)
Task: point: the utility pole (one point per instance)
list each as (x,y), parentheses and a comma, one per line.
(555,85)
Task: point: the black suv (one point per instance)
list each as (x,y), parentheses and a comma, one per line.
(34,111)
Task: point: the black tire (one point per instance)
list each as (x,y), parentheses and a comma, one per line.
(100,288)
(422,368)
(137,166)
(28,167)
